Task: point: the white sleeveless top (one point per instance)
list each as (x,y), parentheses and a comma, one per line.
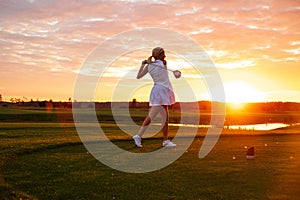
(159,74)
(162,91)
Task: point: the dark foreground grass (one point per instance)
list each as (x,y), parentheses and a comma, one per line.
(47,161)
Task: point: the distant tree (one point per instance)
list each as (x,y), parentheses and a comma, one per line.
(70,99)
(15,100)
(49,104)
(0,98)
(42,104)
(133,103)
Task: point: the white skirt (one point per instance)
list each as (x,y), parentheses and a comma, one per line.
(161,95)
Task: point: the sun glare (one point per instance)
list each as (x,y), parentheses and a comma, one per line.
(239,92)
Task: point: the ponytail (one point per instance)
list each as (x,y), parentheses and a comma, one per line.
(149,60)
(155,53)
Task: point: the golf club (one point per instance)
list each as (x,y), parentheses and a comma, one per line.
(176,73)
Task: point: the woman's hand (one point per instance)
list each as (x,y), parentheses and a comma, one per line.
(177,73)
(143,69)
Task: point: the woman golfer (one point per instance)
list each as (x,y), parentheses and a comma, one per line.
(161,95)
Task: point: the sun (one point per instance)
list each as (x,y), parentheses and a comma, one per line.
(239,92)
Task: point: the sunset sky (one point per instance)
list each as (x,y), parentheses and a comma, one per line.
(255,45)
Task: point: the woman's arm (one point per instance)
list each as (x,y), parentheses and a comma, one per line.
(143,70)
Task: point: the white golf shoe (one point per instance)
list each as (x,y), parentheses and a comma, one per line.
(137,140)
(168,143)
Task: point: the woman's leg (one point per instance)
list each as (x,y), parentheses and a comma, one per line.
(154,110)
(165,127)
(165,121)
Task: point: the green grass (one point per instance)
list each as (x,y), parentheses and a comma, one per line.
(50,163)
(46,160)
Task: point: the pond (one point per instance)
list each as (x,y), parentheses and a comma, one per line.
(258,127)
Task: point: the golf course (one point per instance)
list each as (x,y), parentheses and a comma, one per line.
(42,157)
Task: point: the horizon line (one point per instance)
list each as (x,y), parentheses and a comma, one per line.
(60,101)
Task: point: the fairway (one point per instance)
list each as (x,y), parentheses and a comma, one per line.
(48,161)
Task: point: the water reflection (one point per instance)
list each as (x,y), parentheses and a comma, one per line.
(258,127)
